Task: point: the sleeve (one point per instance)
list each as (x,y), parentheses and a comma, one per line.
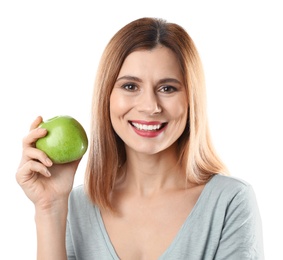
(69,244)
(241,236)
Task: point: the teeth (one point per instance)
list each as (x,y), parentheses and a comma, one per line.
(146,127)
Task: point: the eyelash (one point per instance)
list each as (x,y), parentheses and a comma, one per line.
(163,89)
(126,87)
(170,89)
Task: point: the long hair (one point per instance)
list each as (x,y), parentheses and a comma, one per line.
(106,150)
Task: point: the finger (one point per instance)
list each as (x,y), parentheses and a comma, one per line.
(31,153)
(36,123)
(29,170)
(33,136)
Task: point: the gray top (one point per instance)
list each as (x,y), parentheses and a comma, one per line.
(224,224)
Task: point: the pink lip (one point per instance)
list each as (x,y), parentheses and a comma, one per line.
(145,133)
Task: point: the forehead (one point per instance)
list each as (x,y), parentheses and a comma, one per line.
(160,61)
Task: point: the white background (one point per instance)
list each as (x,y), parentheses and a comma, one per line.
(49,51)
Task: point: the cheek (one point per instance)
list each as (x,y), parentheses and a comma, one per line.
(179,116)
(183,107)
(118,106)
(178,109)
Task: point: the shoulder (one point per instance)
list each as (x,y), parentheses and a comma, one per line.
(229,181)
(234,194)
(238,211)
(78,192)
(78,198)
(80,208)
(229,184)
(230,199)
(228,189)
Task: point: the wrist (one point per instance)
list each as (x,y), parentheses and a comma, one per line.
(51,223)
(51,209)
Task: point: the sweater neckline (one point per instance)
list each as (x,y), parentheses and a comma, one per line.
(175,240)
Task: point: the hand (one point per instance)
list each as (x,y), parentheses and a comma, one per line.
(44,183)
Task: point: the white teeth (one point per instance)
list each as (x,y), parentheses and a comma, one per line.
(146,127)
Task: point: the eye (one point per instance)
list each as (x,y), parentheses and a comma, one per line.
(130,87)
(167,89)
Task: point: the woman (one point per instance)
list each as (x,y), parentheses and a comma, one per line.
(154,185)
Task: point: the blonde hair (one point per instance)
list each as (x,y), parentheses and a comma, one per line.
(106,150)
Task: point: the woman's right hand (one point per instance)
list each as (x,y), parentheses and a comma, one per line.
(45,184)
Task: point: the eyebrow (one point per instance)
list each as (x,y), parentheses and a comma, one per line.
(161,81)
(131,78)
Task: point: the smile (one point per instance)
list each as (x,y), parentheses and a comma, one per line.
(149,127)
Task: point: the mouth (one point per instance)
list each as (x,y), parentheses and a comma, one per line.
(149,126)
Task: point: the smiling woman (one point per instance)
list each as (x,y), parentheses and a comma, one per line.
(154,185)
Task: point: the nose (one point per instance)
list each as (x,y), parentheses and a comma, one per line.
(148,103)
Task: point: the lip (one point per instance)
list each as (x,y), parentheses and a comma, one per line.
(148,133)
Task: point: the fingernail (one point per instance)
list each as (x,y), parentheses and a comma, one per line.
(48,173)
(48,162)
(41,130)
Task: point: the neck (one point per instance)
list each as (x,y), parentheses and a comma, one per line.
(147,175)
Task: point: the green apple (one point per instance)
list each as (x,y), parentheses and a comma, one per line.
(66,140)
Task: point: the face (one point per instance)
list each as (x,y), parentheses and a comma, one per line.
(148,104)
